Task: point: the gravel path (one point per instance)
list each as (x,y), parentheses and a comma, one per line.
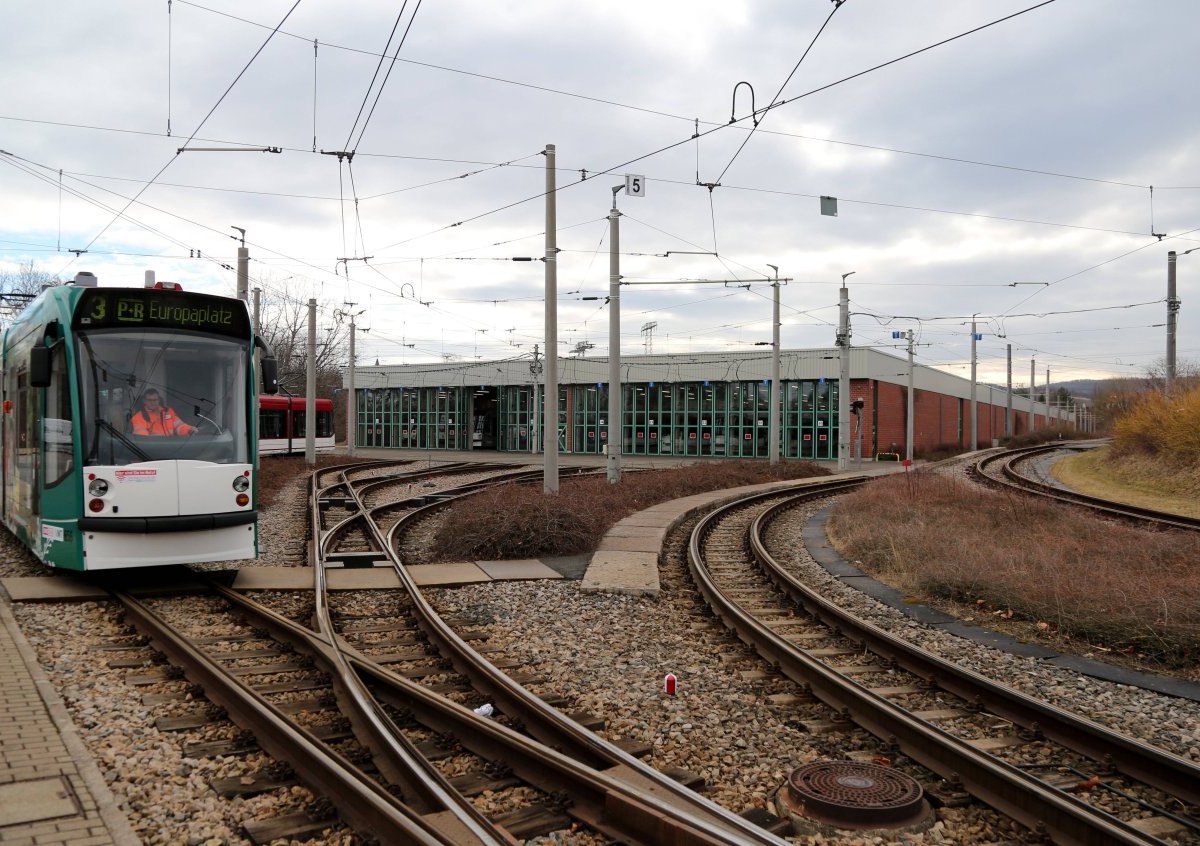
(608,654)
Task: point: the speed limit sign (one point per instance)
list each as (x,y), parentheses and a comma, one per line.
(635,185)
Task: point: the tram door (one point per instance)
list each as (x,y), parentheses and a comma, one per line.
(27,452)
(22,441)
(484,412)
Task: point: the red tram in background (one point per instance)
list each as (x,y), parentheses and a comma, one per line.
(282,425)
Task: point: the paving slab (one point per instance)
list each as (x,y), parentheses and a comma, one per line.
(274,578)
(647,543)
(568,566)
(632,530)
(51,589)
(516,570)
(643,519)
(51,788)
(36,800)
(616,571)
(362,578)
(430,575)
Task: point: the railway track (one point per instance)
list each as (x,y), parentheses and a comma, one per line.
(378,712)
(611,790)
(1100,787)
(1003,470)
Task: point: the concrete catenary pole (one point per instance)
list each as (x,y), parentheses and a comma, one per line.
(351,404)
(1032,385)
(1008,412)
(310,389)
(614,342)
(974,405)
(550,414)
(773,428)
(1048,399)
(843,343)
(243,265)
(1172,317)
(908,433)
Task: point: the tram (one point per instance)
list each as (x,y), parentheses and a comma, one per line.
(88,483)
(282,425)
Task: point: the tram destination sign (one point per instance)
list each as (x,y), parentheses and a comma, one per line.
(146,308)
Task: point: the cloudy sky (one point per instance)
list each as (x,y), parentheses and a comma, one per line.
(1005,173)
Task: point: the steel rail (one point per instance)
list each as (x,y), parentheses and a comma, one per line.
(1002,786)
(1012,478)
(645,788)
(603,797)
(361,801)
(394,754)
(1145,763)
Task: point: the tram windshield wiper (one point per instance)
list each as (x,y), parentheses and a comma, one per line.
(119,435)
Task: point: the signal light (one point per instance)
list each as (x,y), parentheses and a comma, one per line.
(243,500)
(96,505)
(168,286)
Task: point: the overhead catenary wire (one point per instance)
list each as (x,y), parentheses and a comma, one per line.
(362,174)
(688,119)
(753,128)
(379,91)
(673,145)
(170,161)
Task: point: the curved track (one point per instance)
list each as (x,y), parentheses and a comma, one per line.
(609,789)
(1003,470)
(852,666)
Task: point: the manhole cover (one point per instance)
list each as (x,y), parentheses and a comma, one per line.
(849,794)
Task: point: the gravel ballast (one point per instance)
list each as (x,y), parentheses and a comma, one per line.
(607,654)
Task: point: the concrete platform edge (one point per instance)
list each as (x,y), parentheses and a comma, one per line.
(113,817)
(604,575)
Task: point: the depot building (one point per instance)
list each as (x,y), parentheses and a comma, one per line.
(690,404)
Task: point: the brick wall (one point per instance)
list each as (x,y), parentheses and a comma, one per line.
(937,418)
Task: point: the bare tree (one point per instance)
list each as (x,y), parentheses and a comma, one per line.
(284,322)
(18,287)
(1187,375)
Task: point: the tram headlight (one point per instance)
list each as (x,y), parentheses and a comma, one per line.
(97,487)
(241,483)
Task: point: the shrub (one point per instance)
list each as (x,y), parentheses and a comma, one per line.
(520,521)
(1105,583)
(1160,425)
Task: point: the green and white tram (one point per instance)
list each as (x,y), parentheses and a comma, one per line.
(88,484)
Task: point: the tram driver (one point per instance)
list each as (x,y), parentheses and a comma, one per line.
(157,419)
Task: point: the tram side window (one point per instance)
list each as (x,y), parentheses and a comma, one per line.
(272,423)
(324,424)
(58,437)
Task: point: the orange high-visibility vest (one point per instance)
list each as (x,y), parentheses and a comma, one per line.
(165,422)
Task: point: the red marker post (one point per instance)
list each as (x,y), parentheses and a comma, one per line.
(669,684)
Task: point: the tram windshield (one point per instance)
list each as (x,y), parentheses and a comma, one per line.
(153,395)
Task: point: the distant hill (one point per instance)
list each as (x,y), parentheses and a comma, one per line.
(1077,387)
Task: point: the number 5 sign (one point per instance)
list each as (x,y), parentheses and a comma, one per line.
(635,185)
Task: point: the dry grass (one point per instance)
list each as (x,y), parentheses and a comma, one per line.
(1140,480)
(1161,426)
(1112,586)
(275,472)
(519,521)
